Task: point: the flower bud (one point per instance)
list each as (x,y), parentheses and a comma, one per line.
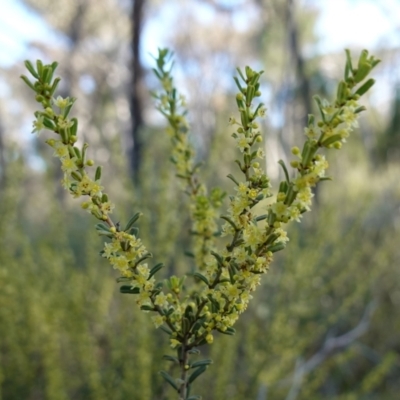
(337,145)
(294,164)
(295,150)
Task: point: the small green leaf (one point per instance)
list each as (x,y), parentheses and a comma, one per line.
(332,139)
(282,164)
(228,331)
(227,219)
(317,99)
(171,358)
(169,379)
(363,58)
(166,330)
(54,86)
(241,74)
(219,258)
(362,71)
(31,69)
(197,373)
(141,259)
(97,175)
(155,269)
(271,238)
(201,277)
(238,83)
(132,221)
(276,247)
(201,363)
(74,127)
(102,227)
(28,82)
(232,178)
(69,107)
(147,308)
(123,279)
(341,92)
(129,290)
(348,58)
(54,65)
(39,68)
(364,88)
(77,153)
(47,74)
(134,231)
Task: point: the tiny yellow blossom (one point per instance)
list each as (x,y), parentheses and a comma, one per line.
(68,165)
(209,338)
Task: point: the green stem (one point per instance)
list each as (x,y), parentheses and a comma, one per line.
(183,361)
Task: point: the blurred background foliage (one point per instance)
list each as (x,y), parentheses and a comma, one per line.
(324,325)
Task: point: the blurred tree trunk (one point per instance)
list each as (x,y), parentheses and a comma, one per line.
(2,158)
(136,104)
(295,50)
(75,34)
(301,75)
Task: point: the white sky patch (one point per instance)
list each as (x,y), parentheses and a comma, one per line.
(19,26)
(357,23)
(342,23)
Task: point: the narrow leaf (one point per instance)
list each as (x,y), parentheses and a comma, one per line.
(364,88)
(155,269)
(97,175)
(201,277)
(171,358)
(129,290)
(282,164)
(169,379)
(31,69)
(132,221)
(201,363)
(232,178)
(197,373)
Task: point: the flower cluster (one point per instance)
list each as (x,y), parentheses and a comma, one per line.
(203,206)
(226,278)
(125,251)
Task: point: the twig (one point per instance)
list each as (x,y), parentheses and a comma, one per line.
(331,345)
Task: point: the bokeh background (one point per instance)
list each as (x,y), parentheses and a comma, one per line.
(324,325)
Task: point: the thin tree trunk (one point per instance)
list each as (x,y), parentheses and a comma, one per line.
(136,105)
(304,84)
(2,159)
(301,75)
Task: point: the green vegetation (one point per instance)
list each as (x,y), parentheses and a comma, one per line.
(294,340)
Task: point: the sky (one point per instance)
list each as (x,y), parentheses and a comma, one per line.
(342,23)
